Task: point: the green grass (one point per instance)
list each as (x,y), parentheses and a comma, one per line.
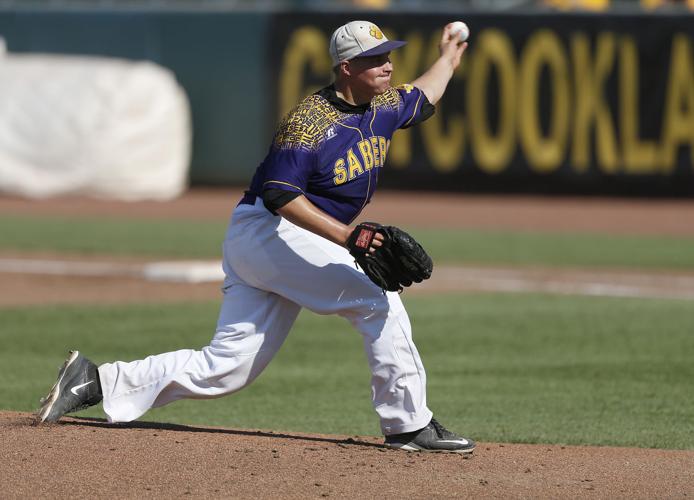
(108,236)
(510,368)
(562,249)
(202,239)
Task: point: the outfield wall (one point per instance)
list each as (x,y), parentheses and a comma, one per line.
(581,103)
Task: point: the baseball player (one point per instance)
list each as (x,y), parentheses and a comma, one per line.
(286,248)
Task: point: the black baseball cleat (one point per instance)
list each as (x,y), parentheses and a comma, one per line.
(433,437)
(77,388)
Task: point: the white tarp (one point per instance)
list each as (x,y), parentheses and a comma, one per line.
(100,127)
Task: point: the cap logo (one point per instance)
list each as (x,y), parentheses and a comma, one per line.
(375,32)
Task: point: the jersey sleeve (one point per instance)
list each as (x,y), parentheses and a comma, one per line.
(413,107)
(293,156)
(288,169)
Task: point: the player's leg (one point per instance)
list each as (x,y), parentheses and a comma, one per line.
(252,326)
(321,276)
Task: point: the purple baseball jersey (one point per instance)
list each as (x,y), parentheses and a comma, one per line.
(332,152)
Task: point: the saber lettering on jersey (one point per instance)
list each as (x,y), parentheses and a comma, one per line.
(327,149)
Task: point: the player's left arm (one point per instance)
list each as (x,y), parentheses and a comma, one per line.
(434,81)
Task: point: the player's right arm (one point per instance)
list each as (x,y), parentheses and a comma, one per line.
(434,81)
(303,213)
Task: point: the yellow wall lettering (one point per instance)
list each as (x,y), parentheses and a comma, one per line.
(544,153)
(678,117)
(444,142)
(639,156)
(492,152)
(589,118)
(590,107)
(307,46)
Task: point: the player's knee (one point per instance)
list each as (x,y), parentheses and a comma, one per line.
(370,314)
(236,340)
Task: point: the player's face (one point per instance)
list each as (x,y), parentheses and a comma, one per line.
(371,75)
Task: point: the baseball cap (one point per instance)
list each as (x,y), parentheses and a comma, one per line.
(359,39)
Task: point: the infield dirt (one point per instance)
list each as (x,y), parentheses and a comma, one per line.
(90,458)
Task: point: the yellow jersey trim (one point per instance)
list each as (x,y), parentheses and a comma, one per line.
(415,108)
(284,183)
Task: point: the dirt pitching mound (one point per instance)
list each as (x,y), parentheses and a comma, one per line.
(81,457)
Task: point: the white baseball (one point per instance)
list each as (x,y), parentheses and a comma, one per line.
(461,28)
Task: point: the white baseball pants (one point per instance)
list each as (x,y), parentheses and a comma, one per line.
(273,269)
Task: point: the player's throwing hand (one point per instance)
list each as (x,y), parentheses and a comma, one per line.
(450,45)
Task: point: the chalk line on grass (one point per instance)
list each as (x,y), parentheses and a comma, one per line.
(610,283)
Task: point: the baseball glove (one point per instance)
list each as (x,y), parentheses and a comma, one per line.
(398,263)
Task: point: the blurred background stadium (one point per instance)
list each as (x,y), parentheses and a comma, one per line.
(560,96)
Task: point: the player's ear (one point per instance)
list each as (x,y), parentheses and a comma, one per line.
(345,69)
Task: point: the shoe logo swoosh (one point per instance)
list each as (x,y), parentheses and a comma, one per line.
(454,441)
(77,387)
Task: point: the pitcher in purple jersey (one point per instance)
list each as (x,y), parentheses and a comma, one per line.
(285,250)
